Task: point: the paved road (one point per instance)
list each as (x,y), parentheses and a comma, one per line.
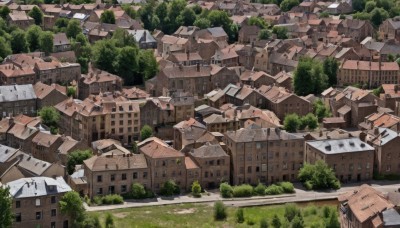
(300,196)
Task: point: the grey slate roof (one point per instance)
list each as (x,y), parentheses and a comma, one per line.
(6,153)
(17,93)
(337,146)
(391,217)
(217,31)
(209,151)
(138,34)
(262,134)
(37,186)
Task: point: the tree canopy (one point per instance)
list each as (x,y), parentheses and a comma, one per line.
(18,41)
(331,66)
(33,37)
(37,15)
(108,17)
(76,158)
(46,42)
(309,77)
(146,132)
(72,205)
(6,215)
(73,28)
(49,116)
(318,176)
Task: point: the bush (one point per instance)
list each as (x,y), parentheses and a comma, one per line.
(274,190)
(308,185)
(98,200)
(112,199)
(170,188)
(226,190)
(310,210)
(250,221)
(196,189)
(263,223)
(244,190)
(219,211)
(276,222)
(239,215)
(260,189)
(291,211)
(109,220)
(287,187)
(138,191)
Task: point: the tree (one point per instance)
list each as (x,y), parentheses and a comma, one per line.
(196,189)
(298,222)
(309,120)
(109,221)
(4,11)
(104,55)
(71,205)
(378,15)
(280,31)
(46,42)
(239,215)
(220,211)
(276,222)
(170,188)
(318,176)
(148,64)
(187,17)
(138,191)
(108,17)
(91,221)
(264,34)
(5,48)
(291,122)
(76,158)
(309,77)
(287,5)
(202,23)
(324,15)
(331,66)
(358,5)
(61,24)
(73,28)
(319,78)
(291,211)
(18,41)
(264,223)
(369,6)
(129,10)
(320,110)
(33,37)
(134,147)
(122,38)
(49,115)
(175,9)
(332,221)
(225,190)
(126,65)
(146,132)
(362,16)
(6,215)
(71,91)
(257,21)
(37,15)
(377,92)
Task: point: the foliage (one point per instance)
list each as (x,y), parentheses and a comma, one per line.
(126,65)
(378,91)
(280,31)
(331,66)
(264,34)
(103,52)
(76,158)
(112,199)
(243,190)
(369,6)
(187,17)
(4,11)
(324,15)
(37,15)
(71,91)
(122,38)
(260,189)
(138,191)
(61,25)
(18,41)
(71,205)
(287,5)
(358,5)
(310,121)
(287,187)
(362,16)
(73,28)
(298,222)
(378,15)
(273,190)
(6,215)
(309,77)
(320,110)
(91,221)
(109,221)
(258,21)
(196,189)
(291,211)
(108,17)
(33,37)
(170,188)
(276,222)
(5,48)
(148,64)
(146,132)
(226,190)
(291,122)
(49,115)
(129,10)
(46,42)
(332,221)
(318,176)
(202,23)
(264,223)
(220,211)
(239,215)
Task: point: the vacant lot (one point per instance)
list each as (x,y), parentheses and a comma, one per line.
(201,215)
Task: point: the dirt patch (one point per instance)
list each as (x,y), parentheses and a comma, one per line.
(185,211)
(121,215)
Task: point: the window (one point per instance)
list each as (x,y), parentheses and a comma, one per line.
(123,176)
(144,175)
(135,175)
(37,202)
(99,178)
(206,174)
(112,177)
(53,212)
(38,215)
(99,191)
(123,188)
(249,169)
(53,225)
(53,199)
(17,204)
(18,217)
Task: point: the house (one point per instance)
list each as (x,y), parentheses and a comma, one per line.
(186,59)
(248,34)
(115,174)
(390,95)
(61,43)
(170,44)
(350,158)
(214,163)
(225,57)
(219,123)
(187,132)
(134,93)
(20,19)
(49,95)
(264,155)
(355,29)
(11,74)
(340,7)
(165,163)
(36,202)
(187,32)
(17,99)
(216,34)
(256,78)
(390,29)
(382,119)
(144,39)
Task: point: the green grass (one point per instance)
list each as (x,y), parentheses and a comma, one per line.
(201,215)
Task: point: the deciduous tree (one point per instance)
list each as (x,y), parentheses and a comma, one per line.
(76,158)
(37,15)
(46,42)
(108,17)
(6,215)
(18,41)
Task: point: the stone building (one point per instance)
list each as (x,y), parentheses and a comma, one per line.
(98,81)
(49,95)
(265,155)
(351,159)
(17,99)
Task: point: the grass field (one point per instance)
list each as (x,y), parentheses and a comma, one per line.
(201,215)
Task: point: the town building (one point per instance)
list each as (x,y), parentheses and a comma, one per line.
(97,81)
(17,99)
(49,95)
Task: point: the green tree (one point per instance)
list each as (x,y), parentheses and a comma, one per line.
(332,221)
(264,223)
(33,37)
(320,110)
(138,191)
(257,21)
(369,6)
(146,132)
(175,9)
(319,78)
(280,31)
(71,205)
(202,23)
(37,15)
(196,189)
(109,222)
(147,14)
(76,158)
(61,25)
(377,92)
(148,64)
(108,17)
(18,41)
(358,5)
(362,16)
(129,10)
(318,176)
(170,188)
(310,120)
(239,215)
(324,15)
(331,66)
(91,221)
(276,222)
(220,211)
(264,34)
(309,77)
(4,11)
(71,91)
(291,211)
(378,15)
(123,39)
(6,215)
(134,147)
(104,53)
(197,9)
(287,5)
(49,115)
(225,190)
(187,17)
(126,65)
(298,222)
(291,122)
(220,19)
(73,28)
(46,42)
(5,48)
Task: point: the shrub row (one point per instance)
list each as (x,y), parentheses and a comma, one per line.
(246,190)
(138,191)
(108,199)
